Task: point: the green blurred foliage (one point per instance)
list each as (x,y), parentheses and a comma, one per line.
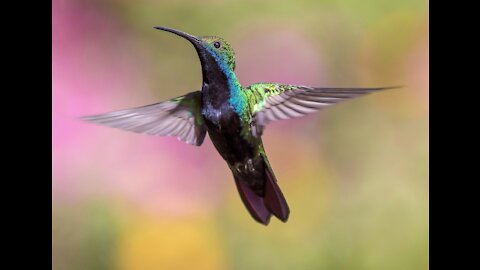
(85,236)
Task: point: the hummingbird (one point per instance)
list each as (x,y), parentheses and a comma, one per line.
(234,116)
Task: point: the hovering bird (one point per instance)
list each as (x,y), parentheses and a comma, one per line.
(234,116)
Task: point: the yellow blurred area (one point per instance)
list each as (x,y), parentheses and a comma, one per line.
(157,243)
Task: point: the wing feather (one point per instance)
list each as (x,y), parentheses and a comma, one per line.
(179,117)
(271,102)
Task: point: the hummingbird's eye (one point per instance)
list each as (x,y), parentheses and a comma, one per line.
(216,44)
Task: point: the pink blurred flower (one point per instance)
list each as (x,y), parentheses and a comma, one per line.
(91,73)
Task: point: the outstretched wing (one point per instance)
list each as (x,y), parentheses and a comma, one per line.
(270,101)
(180,117)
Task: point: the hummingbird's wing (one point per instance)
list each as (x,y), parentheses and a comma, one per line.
(180,117)
(271,101)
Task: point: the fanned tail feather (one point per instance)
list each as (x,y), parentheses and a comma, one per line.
(253,202)
(274,199)
(262,205)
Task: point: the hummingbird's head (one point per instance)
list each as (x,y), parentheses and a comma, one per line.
(216,55)
(220,49)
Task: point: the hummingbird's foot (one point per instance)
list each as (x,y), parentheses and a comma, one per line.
(238,167)
(249,165)
(244,167)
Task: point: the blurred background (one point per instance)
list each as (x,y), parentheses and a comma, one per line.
(355,175)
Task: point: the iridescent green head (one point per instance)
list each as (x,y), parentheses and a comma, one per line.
(221,48)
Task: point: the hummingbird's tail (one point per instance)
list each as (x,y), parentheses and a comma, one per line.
(262,196)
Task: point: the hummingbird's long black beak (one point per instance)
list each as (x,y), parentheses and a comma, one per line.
(210,68)
(193,39)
